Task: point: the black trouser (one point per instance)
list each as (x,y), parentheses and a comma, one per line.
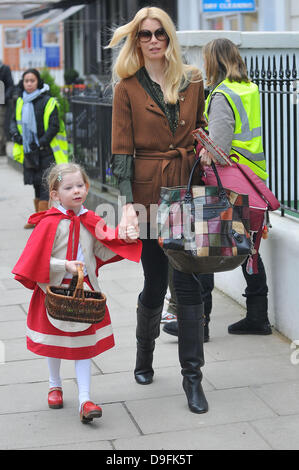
(155,268)
(207,284)
(41,192)
(256,283)
(38,177)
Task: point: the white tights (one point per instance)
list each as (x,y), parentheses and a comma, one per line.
(83,373)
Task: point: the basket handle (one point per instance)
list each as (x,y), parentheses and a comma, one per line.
(79,291)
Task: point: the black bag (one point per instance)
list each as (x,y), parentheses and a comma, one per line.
(204,229)
(31,160)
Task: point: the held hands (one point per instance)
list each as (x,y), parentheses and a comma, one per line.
(71,266)
(128,226)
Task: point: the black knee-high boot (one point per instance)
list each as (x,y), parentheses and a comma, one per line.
(191,354)
(207,310)
(147,330)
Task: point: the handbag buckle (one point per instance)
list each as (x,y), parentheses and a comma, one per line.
(188,197)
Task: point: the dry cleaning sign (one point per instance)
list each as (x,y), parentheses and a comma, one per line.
(228,5)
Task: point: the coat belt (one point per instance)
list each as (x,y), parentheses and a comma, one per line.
(174,167)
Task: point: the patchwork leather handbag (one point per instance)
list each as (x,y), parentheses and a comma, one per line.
(204,229)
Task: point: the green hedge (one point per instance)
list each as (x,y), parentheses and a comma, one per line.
(55,92)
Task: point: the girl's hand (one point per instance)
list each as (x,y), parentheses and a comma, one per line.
(128,226)
(71,266)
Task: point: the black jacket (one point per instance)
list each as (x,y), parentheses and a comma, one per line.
(6,78)
(39,107)
(46,157)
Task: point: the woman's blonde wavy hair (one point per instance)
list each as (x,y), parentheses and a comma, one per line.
(223,60)
(130,58)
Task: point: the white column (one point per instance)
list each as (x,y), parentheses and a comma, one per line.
(273,15)
(1,45)
(282,14)
(188,15)
(266,15)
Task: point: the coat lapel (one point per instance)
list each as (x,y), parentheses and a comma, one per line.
(150,105)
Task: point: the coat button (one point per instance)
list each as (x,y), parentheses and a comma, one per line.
(171,146)
(182,122)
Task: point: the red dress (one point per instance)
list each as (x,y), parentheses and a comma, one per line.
(46,337)
(60,339)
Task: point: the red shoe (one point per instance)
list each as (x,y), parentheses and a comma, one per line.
(88,411)
(55,398)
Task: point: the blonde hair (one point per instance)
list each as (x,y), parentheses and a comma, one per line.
(223,60)
(130,58)
(56,173)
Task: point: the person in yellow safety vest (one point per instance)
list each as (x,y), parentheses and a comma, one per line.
(232,111)
(241,108)
(38,134)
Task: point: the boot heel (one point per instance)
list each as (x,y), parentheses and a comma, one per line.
(144,372)
(197,401)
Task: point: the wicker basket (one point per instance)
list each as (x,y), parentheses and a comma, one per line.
(75,304)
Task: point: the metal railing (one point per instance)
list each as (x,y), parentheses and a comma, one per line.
(91,137)
(279,106)
(278,85)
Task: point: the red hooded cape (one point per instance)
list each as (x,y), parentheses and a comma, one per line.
(33,265)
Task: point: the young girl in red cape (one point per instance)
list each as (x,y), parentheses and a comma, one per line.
(65,236)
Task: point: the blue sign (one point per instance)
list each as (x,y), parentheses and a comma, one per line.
(36,36)
(226,6)
(52,56)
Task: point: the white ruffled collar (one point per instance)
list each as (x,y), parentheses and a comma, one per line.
(64,211)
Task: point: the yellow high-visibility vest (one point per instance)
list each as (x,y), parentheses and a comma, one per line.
(58,144)
(244,100)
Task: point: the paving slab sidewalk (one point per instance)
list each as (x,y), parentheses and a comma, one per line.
(250,382)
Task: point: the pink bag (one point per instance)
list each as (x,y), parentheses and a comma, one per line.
(260,187)
(243,180)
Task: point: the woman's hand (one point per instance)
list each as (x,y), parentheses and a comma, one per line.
(128,226)
(206,158)
(71,266)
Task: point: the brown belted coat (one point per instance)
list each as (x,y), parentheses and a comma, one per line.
(140,128)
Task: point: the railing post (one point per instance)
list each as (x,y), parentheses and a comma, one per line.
(275,114)
(295,131)
(288,88)
(269,140)
(74,130)
(281,89)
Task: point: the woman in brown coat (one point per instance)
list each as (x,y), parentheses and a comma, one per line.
(158,101)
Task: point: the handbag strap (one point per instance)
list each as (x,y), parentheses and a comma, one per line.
(260,187)
(188,196)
